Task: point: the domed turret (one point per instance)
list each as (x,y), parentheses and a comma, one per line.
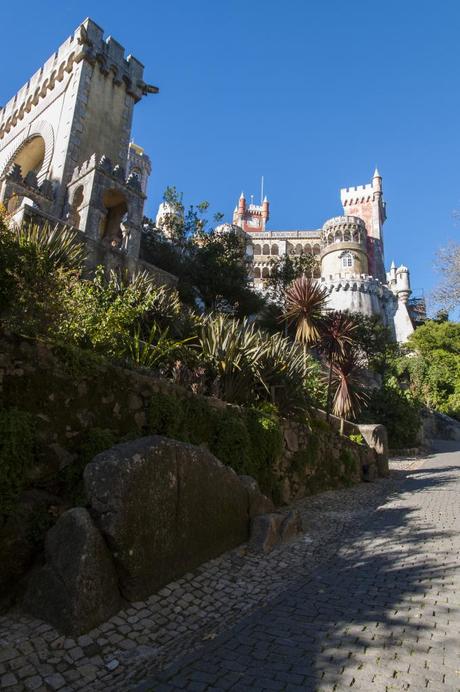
(344,247)
(403,288)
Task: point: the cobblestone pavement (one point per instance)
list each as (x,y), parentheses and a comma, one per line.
(365,598)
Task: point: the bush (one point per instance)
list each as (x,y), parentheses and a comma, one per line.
(398,410)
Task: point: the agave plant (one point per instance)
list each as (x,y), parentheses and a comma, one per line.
(60,246)
(156,350)
(305,304)
(285,373)
(233,351)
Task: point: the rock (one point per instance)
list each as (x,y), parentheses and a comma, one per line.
(76,589)
(291,439)
(258,502)
(265,532)
(291,526)
(376,438)
(164,507)
(269,530)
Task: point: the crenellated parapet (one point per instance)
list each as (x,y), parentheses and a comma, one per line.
(343,229)
(116,173)
(87,43)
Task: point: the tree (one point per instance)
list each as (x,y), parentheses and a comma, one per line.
(305,301)
(285,269)
(447,263)
(210,265)
(348,396)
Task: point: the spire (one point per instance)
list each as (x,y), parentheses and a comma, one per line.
(393,265)
(265,198)
(242,196)
(376,173)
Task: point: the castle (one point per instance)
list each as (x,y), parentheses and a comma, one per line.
(66,154)
(66,157)
(349,250)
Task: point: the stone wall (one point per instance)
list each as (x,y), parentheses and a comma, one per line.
(71,396)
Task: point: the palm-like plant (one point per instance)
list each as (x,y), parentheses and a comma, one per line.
(348,396)
(305,302)
(338,335)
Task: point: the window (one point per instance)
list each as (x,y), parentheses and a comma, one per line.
(266,250)
(274,249)
(257,250)
(347,260)
(257,272)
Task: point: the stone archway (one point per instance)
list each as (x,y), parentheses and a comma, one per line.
(33,150)
(116,211)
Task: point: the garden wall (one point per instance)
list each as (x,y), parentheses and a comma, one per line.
(60,407)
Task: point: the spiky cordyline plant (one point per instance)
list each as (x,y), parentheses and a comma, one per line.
(339,334)
(349,395)
(305,304)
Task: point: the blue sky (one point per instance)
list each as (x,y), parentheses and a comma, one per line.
(310,94)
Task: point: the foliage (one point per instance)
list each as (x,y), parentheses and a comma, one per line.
(305,302)
(435,336)
(447,263)
(356,438)
(210,264)
(245,364)
(285,270)
(17,455)
(348,395)
(103,312)
(37,266)
(375,342)
(432,372)
(398,410)
(158,348)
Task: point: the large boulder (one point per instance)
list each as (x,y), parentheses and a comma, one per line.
(164,507)
(76,589)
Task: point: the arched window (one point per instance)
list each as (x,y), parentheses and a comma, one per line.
(307,249)
(275,250)
(257,272)
(316,249)
(77,201)
(298,249)
(347,260)
(266,250)
(257,250)
(265,273)
(31,155)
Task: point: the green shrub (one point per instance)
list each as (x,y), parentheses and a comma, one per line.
(398,411)
(17,455)
(232,444)
(166,416)
(356,438)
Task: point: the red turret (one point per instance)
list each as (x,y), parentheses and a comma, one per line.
(265,210)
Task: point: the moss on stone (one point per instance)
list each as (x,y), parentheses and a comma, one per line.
(17,454)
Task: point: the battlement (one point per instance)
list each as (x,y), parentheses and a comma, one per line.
(86,43)
(105,165)
(356,282)
(343,223)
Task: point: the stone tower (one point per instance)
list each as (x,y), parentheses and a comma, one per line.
(64,141)
(366,202)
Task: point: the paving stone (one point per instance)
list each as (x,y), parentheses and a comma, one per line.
(8,680)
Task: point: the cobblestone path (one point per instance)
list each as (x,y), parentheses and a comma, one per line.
(381,614)
(364,599)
